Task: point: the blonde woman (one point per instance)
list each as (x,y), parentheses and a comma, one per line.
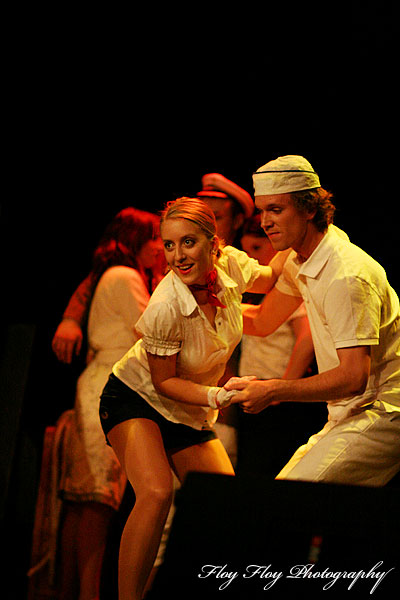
(159,405)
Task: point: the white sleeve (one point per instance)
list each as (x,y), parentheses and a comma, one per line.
(355,320)
(159,326)
(286,283)
(240,267)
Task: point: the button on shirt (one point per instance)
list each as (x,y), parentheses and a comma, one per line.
(349,303)
(173,323)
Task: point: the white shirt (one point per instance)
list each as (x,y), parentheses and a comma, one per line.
(173,323)
(119,299)
(349,303)
(267,357)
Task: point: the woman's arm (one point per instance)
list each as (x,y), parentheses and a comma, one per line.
(269,273)
(68,337)
(303,350)
(166,383)
(265,318)
(78,305)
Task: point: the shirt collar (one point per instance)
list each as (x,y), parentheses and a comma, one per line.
(318,259)
(187,301)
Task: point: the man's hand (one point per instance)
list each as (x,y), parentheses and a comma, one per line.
(348,379)
(255,395)
(67,340)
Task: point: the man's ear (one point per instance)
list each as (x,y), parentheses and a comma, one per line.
(310,214)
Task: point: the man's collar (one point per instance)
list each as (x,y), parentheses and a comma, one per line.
(314,264)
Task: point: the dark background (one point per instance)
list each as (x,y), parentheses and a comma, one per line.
(111,110)
(104,118)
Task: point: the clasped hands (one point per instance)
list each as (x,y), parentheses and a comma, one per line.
(252,394)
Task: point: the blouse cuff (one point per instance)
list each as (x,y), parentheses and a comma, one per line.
(161,347)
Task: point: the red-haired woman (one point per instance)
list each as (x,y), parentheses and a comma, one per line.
(94,482)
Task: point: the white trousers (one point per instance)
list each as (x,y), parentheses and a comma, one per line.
(361,450)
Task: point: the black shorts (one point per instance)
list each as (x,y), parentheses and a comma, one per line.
(119,403)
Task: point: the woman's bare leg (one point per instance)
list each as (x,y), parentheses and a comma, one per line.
(207,457)
(92,535)
(210,457)
(69,575)
(84,532)
(139,447)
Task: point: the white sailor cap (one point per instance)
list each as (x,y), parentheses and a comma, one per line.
(285,174)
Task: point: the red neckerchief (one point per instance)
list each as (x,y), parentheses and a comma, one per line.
(210,287)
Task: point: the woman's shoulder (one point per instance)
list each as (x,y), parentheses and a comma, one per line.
(121,272)
(167,297)
(232,258)
(232,253)
(165,290)
(162,316)
(121,280)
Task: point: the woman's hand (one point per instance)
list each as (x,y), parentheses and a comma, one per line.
(67,340)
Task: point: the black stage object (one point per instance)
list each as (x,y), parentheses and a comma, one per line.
(16,342)
(242,537)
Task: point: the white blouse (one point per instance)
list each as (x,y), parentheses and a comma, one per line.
(118,301)
(173,323)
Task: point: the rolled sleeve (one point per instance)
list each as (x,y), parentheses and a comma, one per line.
(241,268)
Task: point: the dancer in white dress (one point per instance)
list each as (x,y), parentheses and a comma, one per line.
(94,482)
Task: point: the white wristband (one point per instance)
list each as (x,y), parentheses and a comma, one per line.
(219,397)
(212,396)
